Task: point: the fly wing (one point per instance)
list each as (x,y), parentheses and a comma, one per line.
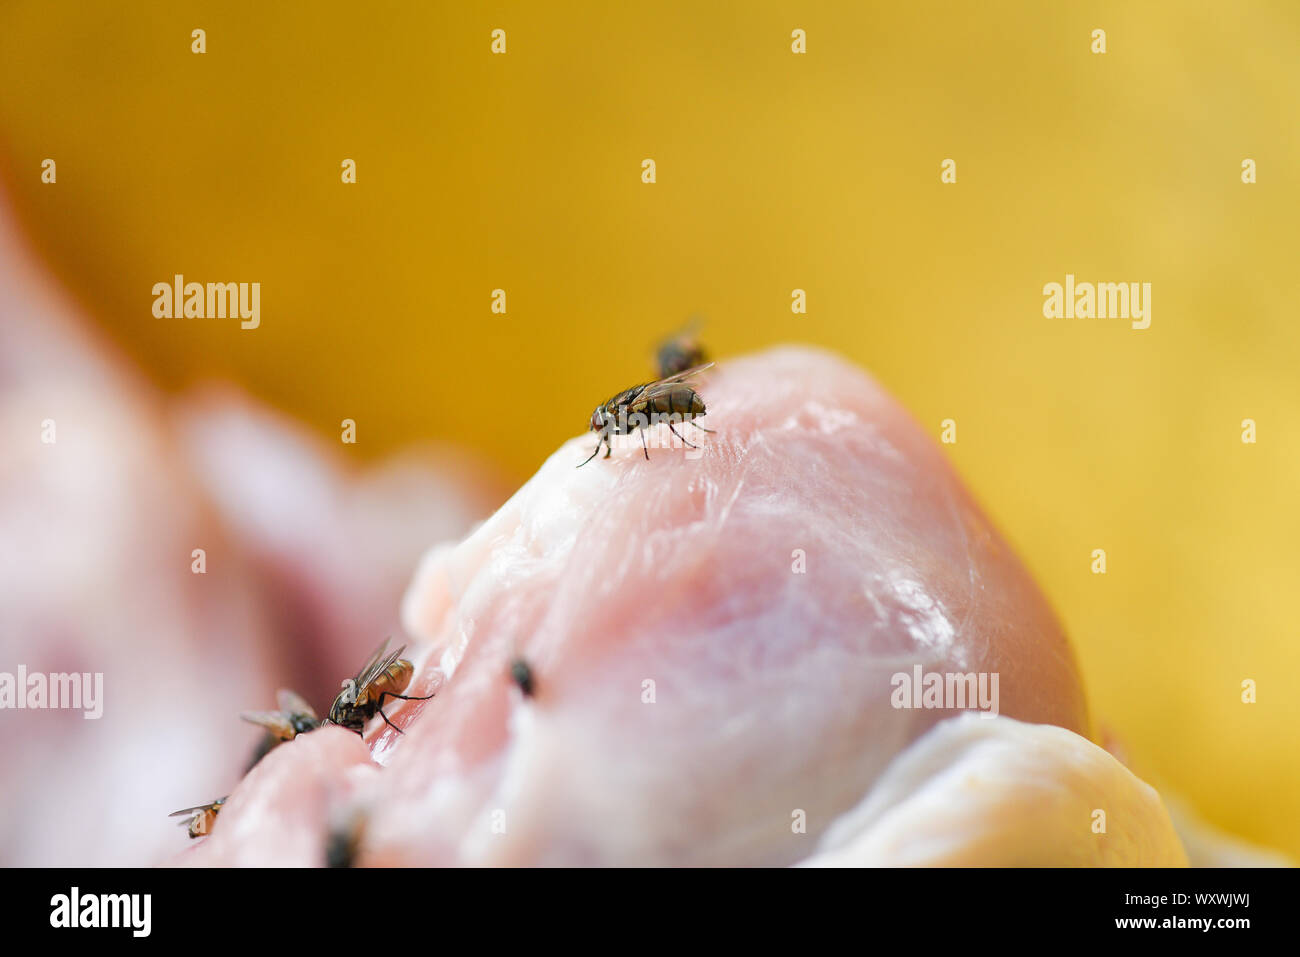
(291,702)
(376,667)
(666,387)
(199,807)
(685,374)
(368,668)
(637,397)
(627,397)
(690,328)
(277,722)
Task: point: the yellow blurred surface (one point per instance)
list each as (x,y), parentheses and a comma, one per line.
(775,171)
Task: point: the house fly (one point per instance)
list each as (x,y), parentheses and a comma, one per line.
(680,352)
(641,406)
(201,818)
(295,717)
(385,675)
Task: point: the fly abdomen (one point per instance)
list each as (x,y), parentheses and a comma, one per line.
(394,679)
(682,400)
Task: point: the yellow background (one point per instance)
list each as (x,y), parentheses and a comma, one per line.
(775,171)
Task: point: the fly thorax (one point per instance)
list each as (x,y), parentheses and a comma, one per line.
(349,694)
(302,724)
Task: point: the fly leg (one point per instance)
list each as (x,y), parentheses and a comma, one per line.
(700,427)
(643,445)
(405,697)
(680,436)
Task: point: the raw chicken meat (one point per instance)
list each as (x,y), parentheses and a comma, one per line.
(713,635)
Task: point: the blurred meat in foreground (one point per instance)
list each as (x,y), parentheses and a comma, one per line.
(107,489)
